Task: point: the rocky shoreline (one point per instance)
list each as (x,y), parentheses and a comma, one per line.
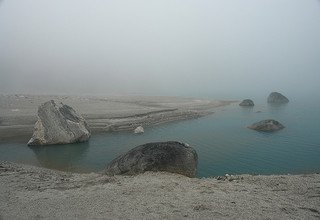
(28,192)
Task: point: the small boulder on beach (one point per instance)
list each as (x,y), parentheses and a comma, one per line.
(268,125)
(172,156)
(277,98)
(247,102)
(58,124)
(138,130)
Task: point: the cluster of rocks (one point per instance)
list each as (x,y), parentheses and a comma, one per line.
(268,125)
(60,124)
(273,98)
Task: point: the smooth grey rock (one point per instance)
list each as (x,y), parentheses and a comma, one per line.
(138,130)
(173,157)
(277,98)
(247,102)
(58,124)
(267,125)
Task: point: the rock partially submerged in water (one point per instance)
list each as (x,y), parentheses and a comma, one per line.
(277,98)
(267,125)
(138,130)
(247,102)
(58,124)
(173,157)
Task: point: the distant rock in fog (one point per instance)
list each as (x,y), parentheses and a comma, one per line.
(138,130)
(267,125)
(58,124)
(277,98)
(172,156)
(247,102)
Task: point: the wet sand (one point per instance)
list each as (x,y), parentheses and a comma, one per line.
(28,192)
(103,114)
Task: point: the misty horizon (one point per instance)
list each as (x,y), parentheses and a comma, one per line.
(178,48)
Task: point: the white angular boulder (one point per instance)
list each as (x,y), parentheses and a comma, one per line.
(58,124)
(138,130)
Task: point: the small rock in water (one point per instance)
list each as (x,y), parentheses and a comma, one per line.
(277,98)
(267,125)
(247,102)
(139,130)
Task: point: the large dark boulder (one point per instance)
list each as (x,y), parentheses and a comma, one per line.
(268,125)
(277,98)
(58,124)
(174,157)
(247,102)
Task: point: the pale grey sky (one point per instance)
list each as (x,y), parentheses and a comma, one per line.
(160,47)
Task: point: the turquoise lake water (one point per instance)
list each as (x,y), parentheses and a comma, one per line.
(223,143)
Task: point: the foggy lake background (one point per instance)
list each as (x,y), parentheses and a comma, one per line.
(223,49)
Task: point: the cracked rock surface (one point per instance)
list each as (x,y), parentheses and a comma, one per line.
(58,124)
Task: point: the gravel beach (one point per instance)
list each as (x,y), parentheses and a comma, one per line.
(28,192)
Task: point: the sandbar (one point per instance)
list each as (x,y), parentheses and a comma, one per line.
(18,113)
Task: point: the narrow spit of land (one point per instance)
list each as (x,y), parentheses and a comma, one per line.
(103,114)
(28,192)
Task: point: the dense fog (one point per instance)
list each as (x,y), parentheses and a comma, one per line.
(197,48)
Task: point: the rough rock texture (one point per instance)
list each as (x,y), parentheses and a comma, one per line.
(174,157)
(247,102)
(58,124)
(278,98)
(138,130)
(267,125)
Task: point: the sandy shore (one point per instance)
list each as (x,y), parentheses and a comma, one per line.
(28,192)
(103,114)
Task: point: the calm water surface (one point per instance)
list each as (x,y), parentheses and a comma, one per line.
(223,143)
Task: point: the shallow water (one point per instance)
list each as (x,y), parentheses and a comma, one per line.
(223,143)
